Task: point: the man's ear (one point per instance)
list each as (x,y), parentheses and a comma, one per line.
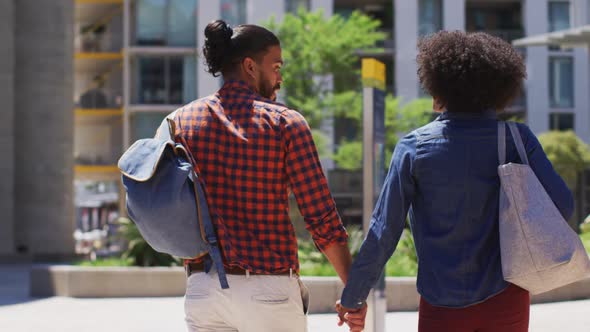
(249,66)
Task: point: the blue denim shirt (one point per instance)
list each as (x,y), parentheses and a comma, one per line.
(445,175)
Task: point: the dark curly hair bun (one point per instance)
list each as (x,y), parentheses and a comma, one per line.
(470,72)
(225,47)
(218,45)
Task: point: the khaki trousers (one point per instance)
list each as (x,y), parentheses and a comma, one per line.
(254,303)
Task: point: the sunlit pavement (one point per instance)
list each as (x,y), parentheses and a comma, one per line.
(20,313)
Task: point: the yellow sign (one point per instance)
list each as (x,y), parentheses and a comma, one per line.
(373,73)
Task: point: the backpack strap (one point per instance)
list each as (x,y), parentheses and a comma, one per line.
(211,237)
(204,218)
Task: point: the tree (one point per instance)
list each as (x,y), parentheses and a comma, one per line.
(399,120)
(568,154)
(315,49)
(322,77)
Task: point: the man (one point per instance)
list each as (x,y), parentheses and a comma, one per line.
(249,152)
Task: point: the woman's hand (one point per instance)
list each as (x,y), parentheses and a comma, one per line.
(354,318)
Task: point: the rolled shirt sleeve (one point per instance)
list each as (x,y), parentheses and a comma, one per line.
(309,184)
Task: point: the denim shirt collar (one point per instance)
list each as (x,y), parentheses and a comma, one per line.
(488,115)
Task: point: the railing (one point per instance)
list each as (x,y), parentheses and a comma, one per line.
(102,35)
(99,98)
(98,43)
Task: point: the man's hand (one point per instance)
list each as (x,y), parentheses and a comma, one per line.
(355,318)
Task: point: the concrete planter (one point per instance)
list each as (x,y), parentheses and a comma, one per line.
(75,281)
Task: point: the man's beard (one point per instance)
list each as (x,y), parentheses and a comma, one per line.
(267,90)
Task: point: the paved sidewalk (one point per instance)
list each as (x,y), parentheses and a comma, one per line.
(19,313)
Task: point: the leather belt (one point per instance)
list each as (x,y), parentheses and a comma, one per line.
(234,270)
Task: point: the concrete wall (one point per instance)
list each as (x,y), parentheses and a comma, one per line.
(581,75)
(537,68)
(537,61)
(7,128)
(208,11)
(581,97)
(82,282)
(454,15)
(406,39)
(326,5)
(44,126)
(260,11)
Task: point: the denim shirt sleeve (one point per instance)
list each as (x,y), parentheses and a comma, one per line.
(551,181)
(387,223)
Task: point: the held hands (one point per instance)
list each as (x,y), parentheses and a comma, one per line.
(355,318)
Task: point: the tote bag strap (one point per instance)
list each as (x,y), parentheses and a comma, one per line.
(518,141)
(501,142)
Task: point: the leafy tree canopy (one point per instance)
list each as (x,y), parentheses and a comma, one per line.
(568,154)
(315,48)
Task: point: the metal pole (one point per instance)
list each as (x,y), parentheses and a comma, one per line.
(126,96)
(126,73)
(375,321)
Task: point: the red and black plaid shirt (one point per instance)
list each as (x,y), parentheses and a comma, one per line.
(249,153)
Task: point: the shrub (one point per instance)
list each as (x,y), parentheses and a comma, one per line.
(139,251)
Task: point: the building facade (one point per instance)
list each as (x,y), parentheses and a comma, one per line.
(36,129)
(124,64)
(135,62)
(554,95)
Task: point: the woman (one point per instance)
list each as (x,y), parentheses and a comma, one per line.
(445,175)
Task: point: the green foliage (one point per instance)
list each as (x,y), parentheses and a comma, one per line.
(321,141)
(139,251)
(314,48)
(116,261)
(568,154)
(399,120)
(403,262)
(349,155)
(355,239)
(586,241)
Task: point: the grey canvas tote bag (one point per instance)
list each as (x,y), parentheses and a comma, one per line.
(539,250)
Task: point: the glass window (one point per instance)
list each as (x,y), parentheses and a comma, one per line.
(559,15)
(165,22)
(151,22)
(561,121)
(430,17)
(181,23)
(169,80)
(144,125)
(233,12)
(561,82)
(152,81)
(291,6)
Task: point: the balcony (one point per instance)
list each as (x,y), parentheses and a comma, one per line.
(97,99)
(99,26)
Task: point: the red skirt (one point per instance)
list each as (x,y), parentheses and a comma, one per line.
(506,312)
